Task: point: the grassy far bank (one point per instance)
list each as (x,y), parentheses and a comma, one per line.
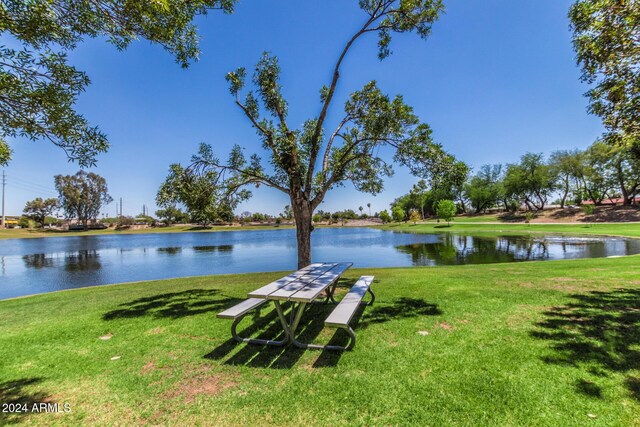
(22,233)
(539,343)
(610,229)
(461,225)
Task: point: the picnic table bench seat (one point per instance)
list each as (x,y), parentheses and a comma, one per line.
(344,311)
(242,308)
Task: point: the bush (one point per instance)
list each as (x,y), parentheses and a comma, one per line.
(25,222)
(414,216)
(446,210)
(125,221)
(528,216)
(385,217)
(398,214)
(588,209)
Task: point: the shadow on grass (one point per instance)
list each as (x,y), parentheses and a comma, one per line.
(400,308)
(599,331)
(264,324)
(173,305)
(14,392)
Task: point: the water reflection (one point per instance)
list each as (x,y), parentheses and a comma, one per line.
(218,248)
(171,251)
(453,249)
(37,261)
(82,261)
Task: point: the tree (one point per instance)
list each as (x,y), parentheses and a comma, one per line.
(369,206)
(385,217)
(172,215)
(446,210)
(595,178)
(606,38)
(449,183)
(197,190)
(360,209)
(414,216)
(287,213)
(419,195)
(623,169)
(82,195)
(398,214)
(306,163)
(565,166)
(40,87)
(530,180)
(38,209)
(484,189)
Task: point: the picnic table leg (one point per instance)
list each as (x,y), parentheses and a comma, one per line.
(330,290)
(296,321)
(283,322)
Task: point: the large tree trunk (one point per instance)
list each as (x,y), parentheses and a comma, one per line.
(302,214)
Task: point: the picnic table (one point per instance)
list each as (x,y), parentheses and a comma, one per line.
(315,283)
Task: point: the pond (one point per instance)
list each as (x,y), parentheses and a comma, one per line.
(29,266)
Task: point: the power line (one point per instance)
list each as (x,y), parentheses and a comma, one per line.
(33,184)
(32,190)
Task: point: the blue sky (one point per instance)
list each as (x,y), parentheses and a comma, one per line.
(497,78)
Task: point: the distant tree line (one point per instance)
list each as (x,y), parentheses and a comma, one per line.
(600,172)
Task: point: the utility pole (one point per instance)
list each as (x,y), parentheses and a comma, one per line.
(4,184)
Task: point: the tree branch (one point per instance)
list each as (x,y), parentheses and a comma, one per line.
(332,87)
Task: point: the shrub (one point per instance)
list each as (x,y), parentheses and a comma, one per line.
(125,221)
(398,214)
(385,217)
(414,216)
(25,222)
(528,216)
(588,209)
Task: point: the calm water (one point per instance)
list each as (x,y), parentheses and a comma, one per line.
(29,266)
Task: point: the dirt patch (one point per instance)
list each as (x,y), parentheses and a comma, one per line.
(564,279)
(155,331)
(601,214)
(204,383)
(526,284)
(575,215)
(151,366)
(445,326)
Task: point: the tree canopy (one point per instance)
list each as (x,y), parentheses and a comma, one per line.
(38,87)
(198,191)
(39,209)
(606,38)
(82,195)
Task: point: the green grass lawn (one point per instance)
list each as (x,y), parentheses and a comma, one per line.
(552,343)
(610,229)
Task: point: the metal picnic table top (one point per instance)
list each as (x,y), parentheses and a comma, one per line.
(304,285)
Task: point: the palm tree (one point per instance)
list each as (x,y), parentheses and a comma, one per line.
(360,209)
(369,206)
